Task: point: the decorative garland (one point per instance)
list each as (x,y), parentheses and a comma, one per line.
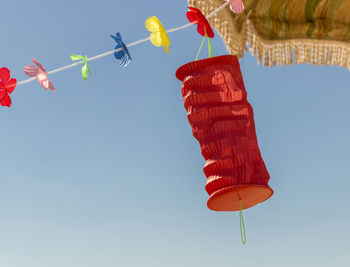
(158,37)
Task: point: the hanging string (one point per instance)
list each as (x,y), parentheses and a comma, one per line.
(119,49)
(241,224)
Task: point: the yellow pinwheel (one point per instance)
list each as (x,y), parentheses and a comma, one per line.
(158,36)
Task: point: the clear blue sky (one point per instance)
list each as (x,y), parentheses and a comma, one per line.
(106,173)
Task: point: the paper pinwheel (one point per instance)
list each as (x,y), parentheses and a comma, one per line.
(40,73)
(7,85)
(158,36)
(236,6)
(195,16)
(85,69)
(123,54)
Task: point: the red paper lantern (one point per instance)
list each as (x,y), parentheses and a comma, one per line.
(222,121)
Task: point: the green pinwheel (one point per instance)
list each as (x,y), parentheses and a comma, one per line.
(84,60)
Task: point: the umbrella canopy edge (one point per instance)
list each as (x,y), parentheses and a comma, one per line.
(239,32)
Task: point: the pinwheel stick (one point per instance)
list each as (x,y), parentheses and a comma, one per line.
(119,49)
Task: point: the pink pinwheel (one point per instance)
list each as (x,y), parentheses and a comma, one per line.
(236,6)
(40,73)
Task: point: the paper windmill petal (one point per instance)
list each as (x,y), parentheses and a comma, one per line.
(195,16)
(77,57)
(37,63)
(7,86)
(40,73)
(85,70)
(4,74)
(236,6)
(31,70)
(123,54)
(5,101)
(158,36)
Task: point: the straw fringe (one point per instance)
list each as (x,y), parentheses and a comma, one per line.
(273,52)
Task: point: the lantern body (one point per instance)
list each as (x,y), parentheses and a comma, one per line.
(222,121)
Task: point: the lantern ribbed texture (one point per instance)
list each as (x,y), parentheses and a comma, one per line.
(222,121)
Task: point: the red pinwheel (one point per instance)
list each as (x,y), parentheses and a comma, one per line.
(7,86)
(195,16)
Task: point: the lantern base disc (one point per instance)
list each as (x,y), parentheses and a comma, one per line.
(228,198)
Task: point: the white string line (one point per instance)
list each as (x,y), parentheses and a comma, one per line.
(217,10)
(119,49)
(180,28)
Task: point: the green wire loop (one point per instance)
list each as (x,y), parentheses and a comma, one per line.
(241,224)
(200,48)
(210,48)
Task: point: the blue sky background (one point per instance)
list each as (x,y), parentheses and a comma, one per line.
(106,173)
